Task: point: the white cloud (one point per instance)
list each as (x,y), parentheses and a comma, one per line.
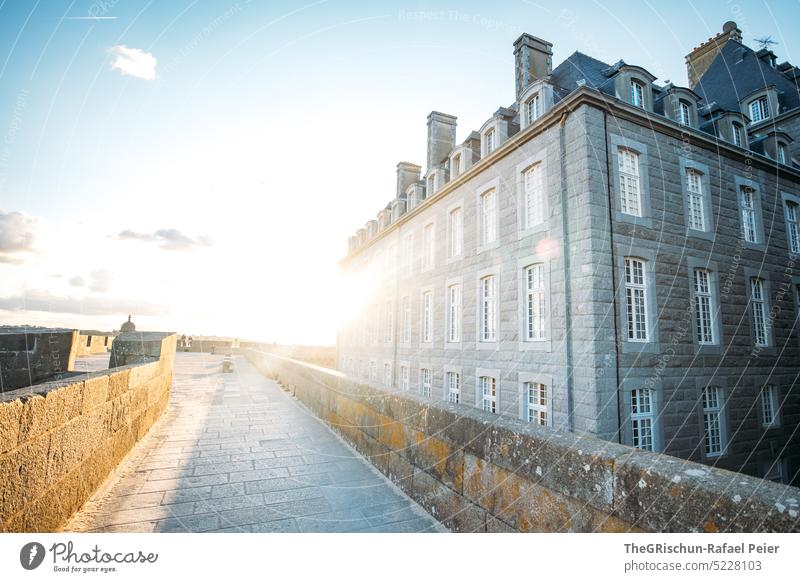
(134,62)
(17,233)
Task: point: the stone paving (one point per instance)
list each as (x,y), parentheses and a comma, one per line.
(235,453)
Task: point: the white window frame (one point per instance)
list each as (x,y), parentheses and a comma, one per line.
(488,203)
(643,418)
(429,246)
(747,213)
(705,308)
(425,380)
(489,141)
(736,134)
(534,197)
(637,93)
(759,310)
(684,113)
(452,386)
(454,298)
(387,374)
(536,303)
(405,377)
(712,402)
(388,330)
(781,152)
(536,400)
(533,108)
(695,199)
(636,291)
(455,232)
(408,254)
(405,308)
(487,401)
(427,312)
(770,406)
(455,166)
(759,109)
(791,213)
(487,309)
(629,170)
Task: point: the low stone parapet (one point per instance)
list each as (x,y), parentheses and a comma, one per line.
(477,471)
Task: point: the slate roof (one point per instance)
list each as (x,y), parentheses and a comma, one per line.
(736,72)
(580,67)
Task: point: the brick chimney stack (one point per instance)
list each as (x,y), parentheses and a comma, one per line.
(698,61)
(533,59)
(407,174)
(441,137)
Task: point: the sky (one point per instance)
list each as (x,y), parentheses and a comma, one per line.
(201,164)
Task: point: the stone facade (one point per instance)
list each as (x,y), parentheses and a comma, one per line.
(31,355)
(584,355)
(94,342)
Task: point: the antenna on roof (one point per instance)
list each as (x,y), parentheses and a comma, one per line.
(766,41)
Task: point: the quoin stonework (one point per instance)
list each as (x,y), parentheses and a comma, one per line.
(608,255)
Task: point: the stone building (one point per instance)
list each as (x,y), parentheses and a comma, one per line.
(607,255)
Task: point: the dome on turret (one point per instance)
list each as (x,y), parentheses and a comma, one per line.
(127,326)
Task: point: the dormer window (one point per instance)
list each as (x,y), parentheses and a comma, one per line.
(431,184)
(637,94)
(455,166)
(781,153)
(532,109)
(684,113)
(736,132)
(759,109)
(490,142)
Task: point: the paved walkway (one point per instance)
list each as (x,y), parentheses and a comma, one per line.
(235,453)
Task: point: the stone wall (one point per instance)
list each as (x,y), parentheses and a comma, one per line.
(30,355)
(476,471)
(324,356)
(60,440)
(94,343)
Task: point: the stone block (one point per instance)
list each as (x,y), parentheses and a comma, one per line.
(95,392)
(10,414)
(118,382)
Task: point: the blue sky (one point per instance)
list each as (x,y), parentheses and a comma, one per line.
(269,133)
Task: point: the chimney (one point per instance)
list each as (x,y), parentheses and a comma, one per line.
(533,59)
(441,137)
(698,61)
(407,174)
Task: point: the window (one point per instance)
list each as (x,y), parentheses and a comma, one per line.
(781,153)
(454,313)
(431,184)
(630,198)
(488,387)
(769,406)
(532,109)
(408,254)
(373,370)
(429,249)
(704,308)
(536,396)
(694,187)
(759,307)
(713,430)
(490,142)
(737,134)
(405,306)
(404,378)
(374,324)
(684,113)
(642,419)
(388,329)
(453,387)
(535,303)
(488,204)
(455,166)
(792,227)
(425,381)
(487,309)
(534,196)
(456,238)
(636,300)
(387,374)
(427,316)
(748,210)
(759,109)
(637,94)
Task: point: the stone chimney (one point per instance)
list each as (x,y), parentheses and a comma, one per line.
(441,137)
(407,174)
(533,59)
(698,61)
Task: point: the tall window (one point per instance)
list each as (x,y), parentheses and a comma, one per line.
(427,316)
(536,399)
(684,113)
(637,94)
(404,378)
(712,420)
(737,134)
(431,184)
(642,419)
(532,109)
(759,109)
(487,310)
(534,196)
(408,254)
(630,196)
(373,370)
(374,324)
(453,380)
(704,308)
(488,203)
(636,299)
(455,166)
(490,141)
(535,303)
(429,249)
(456,238)
(454,313)
(387,374)
(781,153)
(388,329)
(747,206)
(769,406)
(792,226)
(425,381)
(694,186)
(488,387)
(758,302)
(405,306)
